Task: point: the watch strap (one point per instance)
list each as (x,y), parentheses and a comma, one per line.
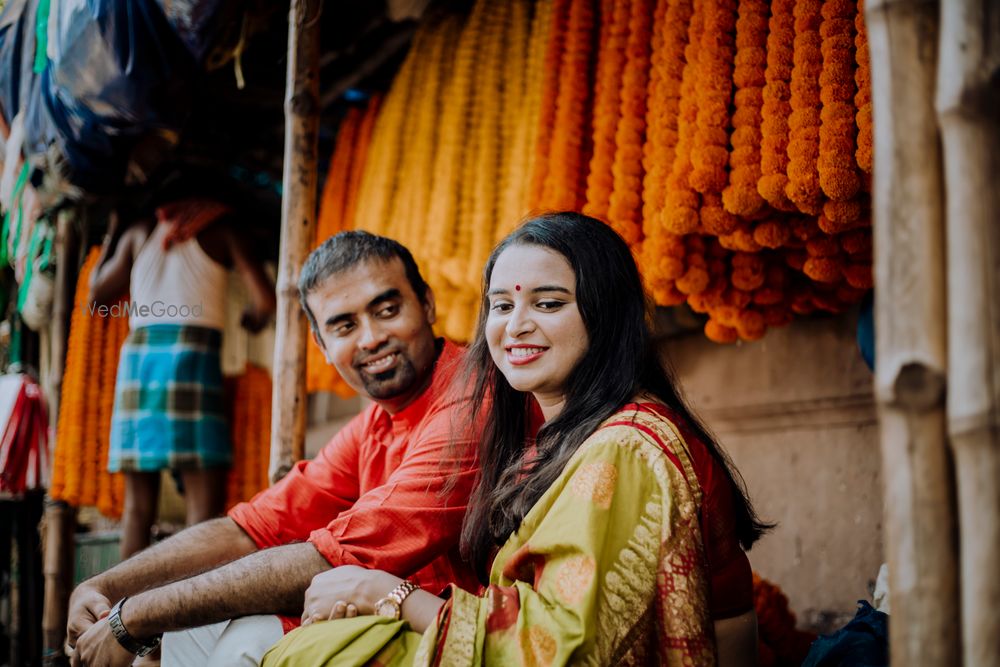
(140,647)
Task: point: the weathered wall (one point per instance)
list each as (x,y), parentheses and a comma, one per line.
(796,413)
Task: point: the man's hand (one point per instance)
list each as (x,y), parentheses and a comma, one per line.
(339,592)
(97,647)
(86,606)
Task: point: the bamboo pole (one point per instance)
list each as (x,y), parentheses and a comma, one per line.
(60,518)
(967,99)
(911,333)
(298,228)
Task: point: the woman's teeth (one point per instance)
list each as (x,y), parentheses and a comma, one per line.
(525,351)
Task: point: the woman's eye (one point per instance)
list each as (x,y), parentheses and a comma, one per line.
(550,305)
(501,307)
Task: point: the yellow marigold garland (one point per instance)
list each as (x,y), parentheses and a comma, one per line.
(803,187)
(838,176)
(741,196)
(359,158)
(625,210)
(776,106)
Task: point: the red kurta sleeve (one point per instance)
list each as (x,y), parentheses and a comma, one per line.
(308,496)
(404,524)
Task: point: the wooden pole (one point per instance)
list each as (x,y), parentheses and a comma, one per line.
(60,518)
(298,228)
(967,99)
(911,334)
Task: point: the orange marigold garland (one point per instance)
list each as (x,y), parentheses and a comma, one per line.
(709,154)
(776,625)
(608,93)
(521,100)
(680,209)
(863,98)
(741,196)
(550,90)
(359,158)
(565,182)
(803,187)
(70,432)
(334,197)
(625,211)
(115,334)
(838,176)
(776,106)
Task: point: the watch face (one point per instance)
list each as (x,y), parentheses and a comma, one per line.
(387,607)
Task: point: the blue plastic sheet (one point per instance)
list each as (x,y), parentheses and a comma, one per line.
(117,71)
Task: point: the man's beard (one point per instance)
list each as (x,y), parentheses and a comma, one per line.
(390,383)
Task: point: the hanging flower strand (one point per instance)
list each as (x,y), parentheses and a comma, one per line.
(776,107)
(550,90)
(803,124)
(709,155)
(607,105)
(625,211)
(680,209)
(863,98)
(838,176)
(741,196)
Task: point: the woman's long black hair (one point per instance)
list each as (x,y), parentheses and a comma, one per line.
(620,362)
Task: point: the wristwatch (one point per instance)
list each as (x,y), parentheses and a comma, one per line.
(392,604)
(140,647)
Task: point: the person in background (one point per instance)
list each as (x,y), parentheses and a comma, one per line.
(615,536)
(383,493)
(169,410)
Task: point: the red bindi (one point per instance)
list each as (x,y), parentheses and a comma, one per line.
(517,287)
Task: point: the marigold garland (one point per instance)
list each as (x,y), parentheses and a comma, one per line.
(777,636)
(550,90)
(565,180)
(625,210)
(681,208)
(803,187)
(709,154)
(80,475)
(249,409)
(776,106)
(523,53)
(741,196)
(863,98)
(838,176)
(359,159)
(615,36)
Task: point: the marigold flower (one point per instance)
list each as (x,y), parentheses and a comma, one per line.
(719,333)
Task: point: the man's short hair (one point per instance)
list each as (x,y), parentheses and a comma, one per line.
(345,250)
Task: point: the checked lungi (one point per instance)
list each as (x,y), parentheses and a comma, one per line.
(169,403)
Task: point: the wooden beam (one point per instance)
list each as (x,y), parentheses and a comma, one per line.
(910,312)
(60,518)
(298,229)
(967,100)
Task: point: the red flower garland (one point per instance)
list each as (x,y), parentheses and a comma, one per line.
(863,98)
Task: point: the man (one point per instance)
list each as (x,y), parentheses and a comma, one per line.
(381,494)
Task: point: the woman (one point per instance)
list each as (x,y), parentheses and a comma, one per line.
(611,538)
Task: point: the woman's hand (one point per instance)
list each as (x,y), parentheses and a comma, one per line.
(345,592)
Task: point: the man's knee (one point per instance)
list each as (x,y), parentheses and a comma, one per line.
(242,642)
